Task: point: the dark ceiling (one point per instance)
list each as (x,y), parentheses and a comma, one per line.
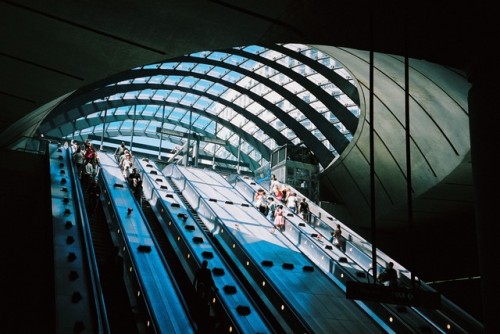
(53,47)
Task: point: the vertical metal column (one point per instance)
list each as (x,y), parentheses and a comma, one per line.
(133,129)
(161,134)
(239,155)
(196,150)
(215,148)
(409,186)
(372,155)
(103,128)
(186,155)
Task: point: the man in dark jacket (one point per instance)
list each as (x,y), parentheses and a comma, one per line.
(135,182)
(389,275)
(204,284)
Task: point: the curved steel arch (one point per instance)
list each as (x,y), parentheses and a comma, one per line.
(83,99)
(343,84)
(110,90)
(339,110)
(339,141)
(83,124)
(323,154)
(252,164)
(114,141)
(99,106)
(312,142)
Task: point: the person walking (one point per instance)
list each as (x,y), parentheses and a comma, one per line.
(204,286)
(304,209)
(279,217)
(120,150)
(261,202)
(135,182)
(272,208)
(77,157)
(292,202)
(339,240)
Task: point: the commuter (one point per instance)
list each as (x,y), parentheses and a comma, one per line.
(278,194)
(79,161)
(122,157)
(389,276)
(135,182)
(339,240)
(279,217)
(204,285)
(272,208)
(203,280)
(304,210)
(275,184)
(285,192)
(87,175)
(90,153)
(120,150)
(261,202)
(74,145)
(86,144)
(292,202)
(126,165)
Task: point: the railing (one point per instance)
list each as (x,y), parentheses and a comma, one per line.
(76,254)
(190,242)
(155,289)
(450,317)
(98,296)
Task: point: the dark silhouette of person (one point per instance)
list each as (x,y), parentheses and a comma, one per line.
(204,285)
(203,280)
(389,275)
(304,209)
(135,182)
(339,239)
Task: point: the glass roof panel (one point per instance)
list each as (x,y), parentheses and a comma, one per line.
(203,94)
(202,103)
(251,65)
(172,80)
(140,80)
(234,60)
(233,76)
(255,49)
(168,66)
(202,85)
(260,89)
(217,89)
(185,66)
(157,79)
(273,97)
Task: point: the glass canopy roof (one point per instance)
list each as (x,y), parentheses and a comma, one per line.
(236,105)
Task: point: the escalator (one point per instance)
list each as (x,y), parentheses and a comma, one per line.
(120,313)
